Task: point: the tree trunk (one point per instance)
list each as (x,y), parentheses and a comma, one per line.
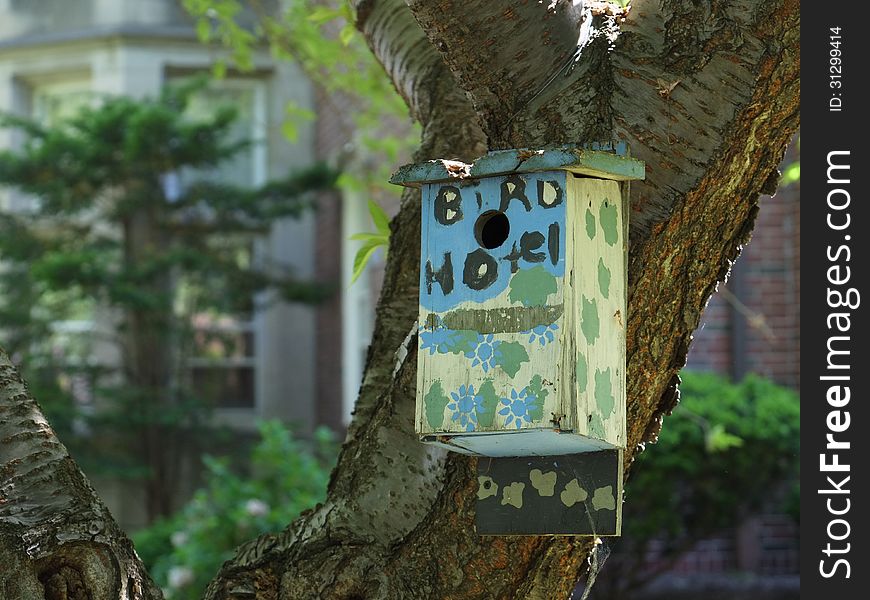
(57,538)
(148,353)
(706,93)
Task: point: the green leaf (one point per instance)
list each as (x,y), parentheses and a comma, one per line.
(379,217)
(290,131)
(363,255)
(347,34)
(719,440)
(323,14)
(510,356)
(365,237)
(220,69)
(791,174)
(203,30)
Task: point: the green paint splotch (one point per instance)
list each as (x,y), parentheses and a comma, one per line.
(590,224)
(486,411)
(536,389)
(596,426)
(604,392)
(589,320)
(582,372)
(603,278)
(434,403)
(510,356)
(531,287)
(607,215)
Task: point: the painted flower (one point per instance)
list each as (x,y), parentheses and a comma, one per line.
(439,340)
(465,405)
(486,352)
(517,408)
(542,333)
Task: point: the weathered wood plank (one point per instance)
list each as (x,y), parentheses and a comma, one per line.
(598,160)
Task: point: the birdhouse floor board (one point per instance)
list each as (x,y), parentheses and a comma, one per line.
(575,494)
(522,442)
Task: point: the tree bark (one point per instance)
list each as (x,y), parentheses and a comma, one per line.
(57,538)
(706,93)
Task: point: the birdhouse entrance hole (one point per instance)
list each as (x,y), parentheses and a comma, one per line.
(492,229)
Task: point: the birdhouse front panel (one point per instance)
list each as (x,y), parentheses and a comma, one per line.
(521,325)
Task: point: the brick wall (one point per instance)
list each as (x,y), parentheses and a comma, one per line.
(332,131)
(753,325)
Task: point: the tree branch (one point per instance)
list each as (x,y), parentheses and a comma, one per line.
(397,522)
(57,538)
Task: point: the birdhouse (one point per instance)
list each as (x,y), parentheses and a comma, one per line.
(521,331)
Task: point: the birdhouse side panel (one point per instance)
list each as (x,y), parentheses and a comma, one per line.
(491,303)
(597,294)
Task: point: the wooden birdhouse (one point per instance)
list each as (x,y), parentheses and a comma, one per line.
(523,301)
(521,331)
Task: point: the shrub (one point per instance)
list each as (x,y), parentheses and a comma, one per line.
(728,448)
(287,476)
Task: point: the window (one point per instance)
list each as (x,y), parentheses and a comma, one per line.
(57,102)
(222,366)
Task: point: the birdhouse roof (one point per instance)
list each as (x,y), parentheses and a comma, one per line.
(603,161)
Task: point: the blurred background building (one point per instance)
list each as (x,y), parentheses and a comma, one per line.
(299,363)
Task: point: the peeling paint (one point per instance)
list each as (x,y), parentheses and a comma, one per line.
(604,392)
(589,320)
(607,215)
(582,372)
(590,224)
(596,426)
(505,319)
(603,278)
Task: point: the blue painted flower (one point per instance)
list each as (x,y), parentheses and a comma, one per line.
(465,405)
(486,352)
(542,333)
(517,408)
(438,340)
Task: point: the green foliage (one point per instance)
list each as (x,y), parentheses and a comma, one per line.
(102,232)
(724,450)
(323,41)
(792,174)
(727,448)
(286,477)
(371,241)
(321,38)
